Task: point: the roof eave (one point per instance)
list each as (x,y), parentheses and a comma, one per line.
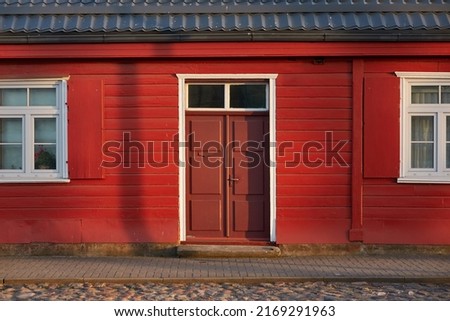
(272,36)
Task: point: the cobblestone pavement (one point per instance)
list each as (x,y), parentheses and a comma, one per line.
(299,291)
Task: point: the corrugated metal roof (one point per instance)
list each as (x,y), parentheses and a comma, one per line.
(215,6)
(218,17)
(221,22)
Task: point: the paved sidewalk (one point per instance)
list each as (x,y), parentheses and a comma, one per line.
(381,268)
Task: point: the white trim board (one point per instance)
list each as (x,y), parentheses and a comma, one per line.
(182,133)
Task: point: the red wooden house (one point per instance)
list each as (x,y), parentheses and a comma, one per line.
(159,122)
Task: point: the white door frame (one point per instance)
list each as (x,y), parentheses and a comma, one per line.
(182,144)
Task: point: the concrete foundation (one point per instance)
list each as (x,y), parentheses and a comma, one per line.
(195,250)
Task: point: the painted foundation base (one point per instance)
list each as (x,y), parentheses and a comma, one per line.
(170,250)
(88,249)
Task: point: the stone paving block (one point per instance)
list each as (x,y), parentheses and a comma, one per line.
(146,268)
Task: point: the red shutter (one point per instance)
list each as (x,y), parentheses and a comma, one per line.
(85,100)
(381,127)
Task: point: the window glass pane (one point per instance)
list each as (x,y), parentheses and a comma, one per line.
(11,143)
(45,143)
(13,97)
(448,128)
(44,130)
(425,94)
(422,142)
(11,130)
(206,96)
(11,156)
(422,128)
(42,97)
(445,94)
(448,155)
(248,96)
(45,156)
(422,155)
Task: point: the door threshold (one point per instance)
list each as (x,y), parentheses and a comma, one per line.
(226,242)
(227,251)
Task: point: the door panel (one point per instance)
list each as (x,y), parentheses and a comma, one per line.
(205,129)
(227,179)
(208,215)
(249,190)
(249,169)
(204,182)
(246,216)
(250,129)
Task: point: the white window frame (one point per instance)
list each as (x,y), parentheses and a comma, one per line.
(183,79)
(28,174)
(439,174)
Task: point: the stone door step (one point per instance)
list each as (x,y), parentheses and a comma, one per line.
(226,251)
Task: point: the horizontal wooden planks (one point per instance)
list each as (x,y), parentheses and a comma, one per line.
(35,214)
(141,203)
(401,199)
(100,230)
(313,189)
(222,50)
(413,231)
(116,201)
(406,213)
(313,231)
(130,204)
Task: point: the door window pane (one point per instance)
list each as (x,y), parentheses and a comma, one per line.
(422,142)
(248,96)
(13,97)
(45,143)
(42,97)
(11,143)
(425,94)
(206,96)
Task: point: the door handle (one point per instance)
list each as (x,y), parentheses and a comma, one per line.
(233,179)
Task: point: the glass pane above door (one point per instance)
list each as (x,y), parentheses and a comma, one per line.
(248,96)
(206,96)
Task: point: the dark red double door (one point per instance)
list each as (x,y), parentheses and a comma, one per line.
(227,178)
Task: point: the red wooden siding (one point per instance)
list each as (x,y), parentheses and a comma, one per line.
(226,50)
(401,213)
(313,199)
(139,202)
(115,204)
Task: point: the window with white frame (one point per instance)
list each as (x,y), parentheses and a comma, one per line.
(425,127)
(33,130)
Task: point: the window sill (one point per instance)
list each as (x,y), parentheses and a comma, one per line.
(424,180)
(33,180)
